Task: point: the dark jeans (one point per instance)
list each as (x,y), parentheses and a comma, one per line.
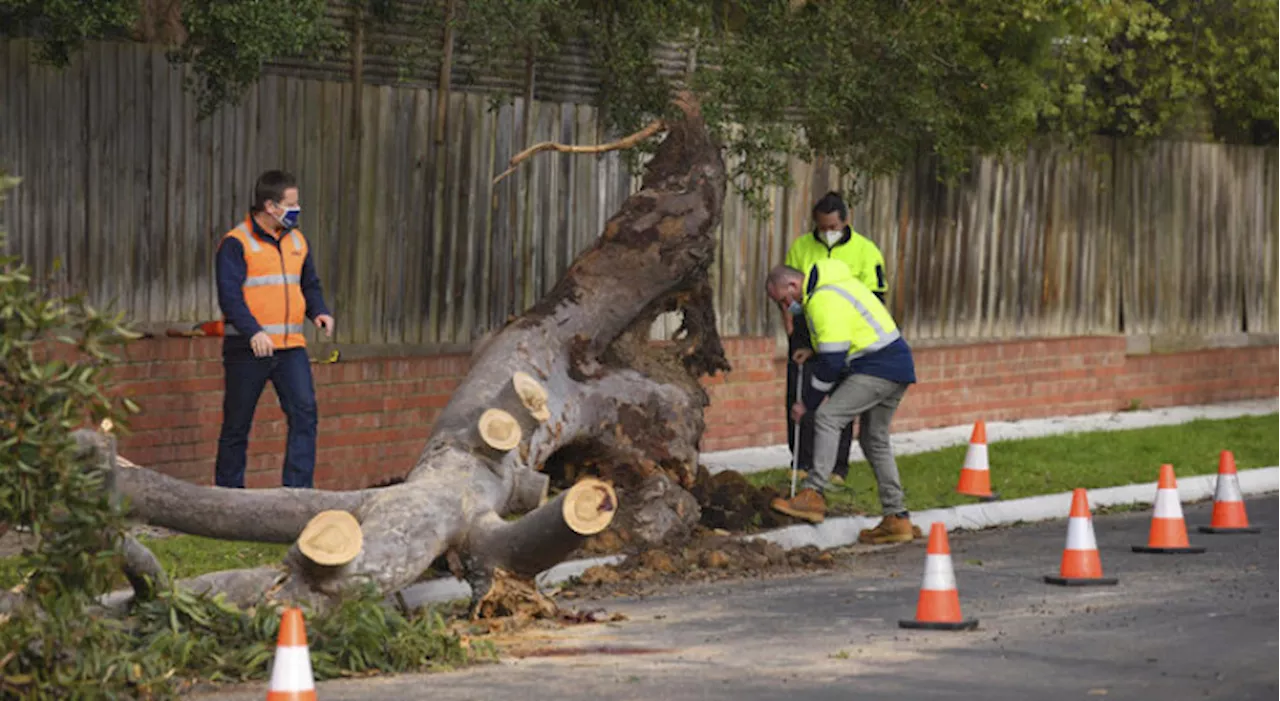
(807,431)
(290,373)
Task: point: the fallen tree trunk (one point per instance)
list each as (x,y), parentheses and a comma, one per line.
(608,393)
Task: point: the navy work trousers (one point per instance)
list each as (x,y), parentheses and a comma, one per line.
(290,373)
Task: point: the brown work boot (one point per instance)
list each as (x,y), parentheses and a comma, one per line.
(892,529)
(807,504)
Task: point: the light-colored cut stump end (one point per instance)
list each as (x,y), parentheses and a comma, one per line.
(331,538)
(589,506)
(499,429)
(532,394)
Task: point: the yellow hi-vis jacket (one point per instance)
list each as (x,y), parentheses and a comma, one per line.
(851,332)
(864,259)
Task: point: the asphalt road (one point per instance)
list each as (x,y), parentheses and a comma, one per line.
(1176,627)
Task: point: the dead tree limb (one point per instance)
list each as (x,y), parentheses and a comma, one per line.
(625,142)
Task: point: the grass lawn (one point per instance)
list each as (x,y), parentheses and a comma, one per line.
(1031,466)
(182,556)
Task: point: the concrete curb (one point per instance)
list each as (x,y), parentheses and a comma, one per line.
(838,532)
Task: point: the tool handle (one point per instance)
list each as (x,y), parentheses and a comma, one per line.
(795,453)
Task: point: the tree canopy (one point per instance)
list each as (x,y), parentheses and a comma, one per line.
(872,82)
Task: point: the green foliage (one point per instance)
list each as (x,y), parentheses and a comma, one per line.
(179,639)
(229,40)
(65,25)
(873,84)
(52,356)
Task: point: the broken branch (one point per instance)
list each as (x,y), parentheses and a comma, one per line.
(626,142)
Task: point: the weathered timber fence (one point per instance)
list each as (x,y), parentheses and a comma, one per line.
(129,193)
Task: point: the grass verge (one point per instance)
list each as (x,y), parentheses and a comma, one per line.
(1052,464)
(182,556)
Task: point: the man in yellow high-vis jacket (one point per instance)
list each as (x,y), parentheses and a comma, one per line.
(831,238)
(859,366)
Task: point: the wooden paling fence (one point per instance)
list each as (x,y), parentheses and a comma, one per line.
(129,193)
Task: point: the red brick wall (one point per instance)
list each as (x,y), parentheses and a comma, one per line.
(1000,382)
(375,414)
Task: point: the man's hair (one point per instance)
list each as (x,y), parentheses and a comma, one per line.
(783,274)
(270,188)
(831,202)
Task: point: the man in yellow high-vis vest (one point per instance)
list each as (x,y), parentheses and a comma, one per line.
(831,238)
(267,290)
(859,366)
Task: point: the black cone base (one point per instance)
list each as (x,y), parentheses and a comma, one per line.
(1193,550)
(970,624)
(1226,531)
(1080,582)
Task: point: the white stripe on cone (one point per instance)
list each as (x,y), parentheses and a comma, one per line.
(976,457)
(1167,504)
(1228,489)
(938,575)
(292,670)
(1080,535)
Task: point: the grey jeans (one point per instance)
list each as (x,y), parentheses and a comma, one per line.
(876,399)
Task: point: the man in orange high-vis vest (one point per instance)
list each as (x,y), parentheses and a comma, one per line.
(268,289)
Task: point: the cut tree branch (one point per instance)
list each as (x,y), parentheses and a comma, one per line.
(142,569)
(258,515)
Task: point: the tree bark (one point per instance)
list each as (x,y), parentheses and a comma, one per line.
(611,394)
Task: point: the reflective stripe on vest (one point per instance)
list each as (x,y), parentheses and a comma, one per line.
(883,338)
(260,280)
(271,329)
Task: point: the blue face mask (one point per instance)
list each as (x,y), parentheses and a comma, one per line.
(796,308)
(290,219)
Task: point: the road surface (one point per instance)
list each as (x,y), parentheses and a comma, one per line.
(1176,627)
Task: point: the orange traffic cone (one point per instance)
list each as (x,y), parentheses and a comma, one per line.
(291,678)
(975,475)
(1228,504)
(939,605)
(1081,565)
(1168,529)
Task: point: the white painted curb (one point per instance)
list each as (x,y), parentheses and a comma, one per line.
(837,532)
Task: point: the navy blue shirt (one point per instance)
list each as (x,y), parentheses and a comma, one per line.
(231,272)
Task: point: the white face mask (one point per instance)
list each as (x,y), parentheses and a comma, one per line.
(832,236)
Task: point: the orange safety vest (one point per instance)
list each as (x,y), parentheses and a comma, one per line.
(273,285)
